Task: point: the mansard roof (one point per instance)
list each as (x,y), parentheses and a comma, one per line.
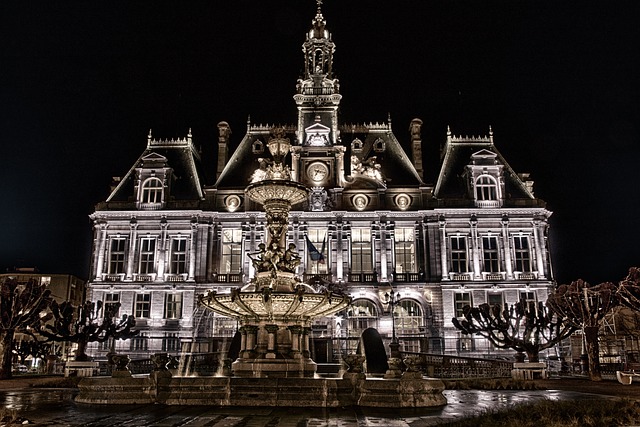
(396,167)
(178,154)
(457,154)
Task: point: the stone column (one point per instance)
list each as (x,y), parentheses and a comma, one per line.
(250,343)
(443,247)
(475,247)
(305,342)
(243,340)
(538,237)
(132,249)
(295,330)
(272,330)
(192,250)
(101,250)
(507,247)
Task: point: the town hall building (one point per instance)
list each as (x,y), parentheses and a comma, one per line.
(420,244)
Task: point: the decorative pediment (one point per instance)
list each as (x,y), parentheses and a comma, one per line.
(317,135)
(484,157)
(153,160)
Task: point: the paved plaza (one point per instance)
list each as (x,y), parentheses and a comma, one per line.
(55,407)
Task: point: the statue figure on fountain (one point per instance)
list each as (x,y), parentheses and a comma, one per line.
(275,258)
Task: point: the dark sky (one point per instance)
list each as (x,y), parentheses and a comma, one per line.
(82,82)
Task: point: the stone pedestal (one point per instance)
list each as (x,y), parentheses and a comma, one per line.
(80,369)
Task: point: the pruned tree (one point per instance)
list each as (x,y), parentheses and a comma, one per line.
(585,307)
(523,327)
(20,305)
(88,322)
(628,291)
(34,348)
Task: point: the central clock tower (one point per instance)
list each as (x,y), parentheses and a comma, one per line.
(318,159)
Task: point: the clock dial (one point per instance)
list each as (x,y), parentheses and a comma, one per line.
(317,172)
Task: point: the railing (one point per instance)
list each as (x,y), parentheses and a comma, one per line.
(228,278)
(408,277)
(443,366)
(323,277)
(363,277)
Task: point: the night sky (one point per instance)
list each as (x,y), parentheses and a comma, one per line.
(82,82)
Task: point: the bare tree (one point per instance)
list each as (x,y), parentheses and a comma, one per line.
(89,322)
(20,305)
(524,327)
(586,306)
(629,290)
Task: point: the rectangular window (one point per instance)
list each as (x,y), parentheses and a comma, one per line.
(529,298)
(140,343)
(171,342)
(231,251)
(173,306)
(143,305)
(495,299)
(461,300)
(522,254)
(147,255)
(318,239)
(458,248)
(361,256)
(405,248)
(490,254)
(117,255)
(111,305)
(179,256)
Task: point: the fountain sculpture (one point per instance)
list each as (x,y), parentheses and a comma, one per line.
(275,311)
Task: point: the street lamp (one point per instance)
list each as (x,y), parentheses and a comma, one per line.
(393,300)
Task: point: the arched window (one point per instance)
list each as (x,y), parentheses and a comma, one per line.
(152,191)
(486,188)
(362,314)
(409,317)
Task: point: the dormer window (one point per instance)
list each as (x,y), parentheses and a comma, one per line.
(151,196)
(486,188)
(257,147)
(379,145)
(356,146)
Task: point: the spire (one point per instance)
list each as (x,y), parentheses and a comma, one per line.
(318,47)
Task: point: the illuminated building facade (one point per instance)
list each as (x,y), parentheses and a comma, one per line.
(372,225)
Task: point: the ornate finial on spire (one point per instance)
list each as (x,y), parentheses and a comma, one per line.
(490,131)
(319,5)
(189,134)
(149,136)
(448,130)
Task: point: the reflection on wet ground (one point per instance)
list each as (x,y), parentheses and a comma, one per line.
(55,407)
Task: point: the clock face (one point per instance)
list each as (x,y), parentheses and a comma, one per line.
(317,172)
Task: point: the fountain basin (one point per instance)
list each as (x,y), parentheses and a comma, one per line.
(352,390)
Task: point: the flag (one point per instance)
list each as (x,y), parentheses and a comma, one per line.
(314,254)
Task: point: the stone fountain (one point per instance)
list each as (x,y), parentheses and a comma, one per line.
(275,311)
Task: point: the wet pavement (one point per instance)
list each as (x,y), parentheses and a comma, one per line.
(55,407)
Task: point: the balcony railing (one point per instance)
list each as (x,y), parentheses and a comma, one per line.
(408,277)
(227,278)
(363,277)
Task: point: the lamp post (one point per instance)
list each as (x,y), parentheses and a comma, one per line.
(393,300)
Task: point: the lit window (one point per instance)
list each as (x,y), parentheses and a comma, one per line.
(111,305)
(173,306)
(490,254)
(45,280)
(147,255)
(409,317)
(461,299)
(362,314)
(458,248)
(140,343)
(152,191)
(495,299)
(361,259)
(530,299)
(171,342)
(117,255)
(486,188)
(521,252)
(316,259)
(179,256)
(405,248)
(231,251)
(143,305)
